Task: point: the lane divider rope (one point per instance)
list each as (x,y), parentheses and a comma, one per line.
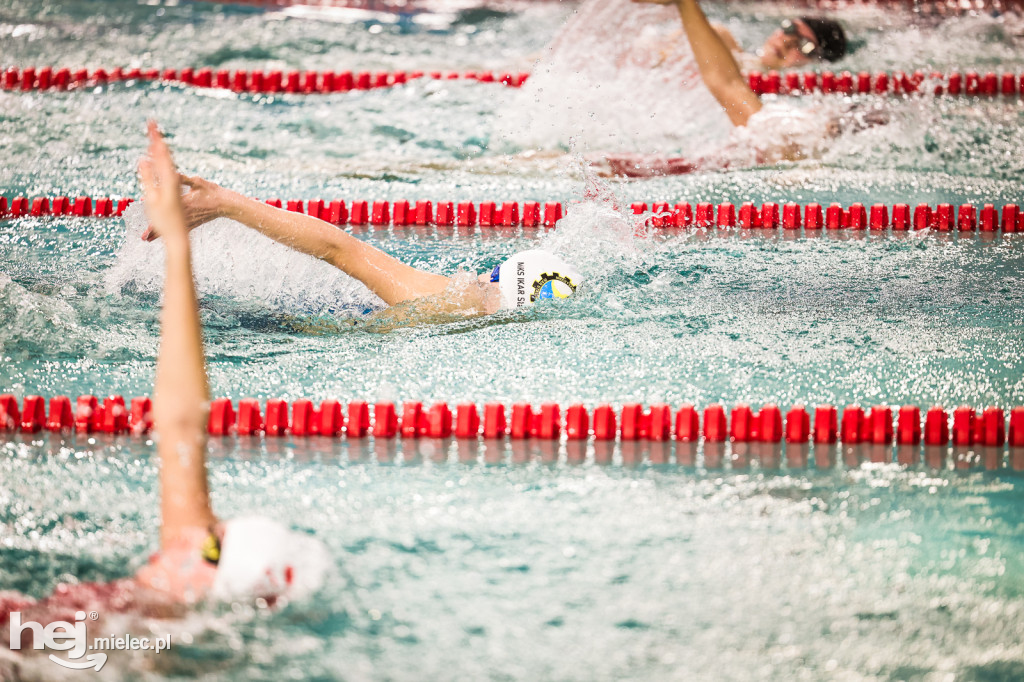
(813,218)
(969,83)
(257,81)
(965,429)
(926,7)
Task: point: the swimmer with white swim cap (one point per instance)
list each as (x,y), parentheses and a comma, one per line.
(532,276)
(536,274)
(200,558)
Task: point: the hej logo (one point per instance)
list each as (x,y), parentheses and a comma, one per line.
(61,635)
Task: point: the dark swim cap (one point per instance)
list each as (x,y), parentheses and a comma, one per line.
(830,36)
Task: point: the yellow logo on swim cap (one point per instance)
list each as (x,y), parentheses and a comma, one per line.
(552,285)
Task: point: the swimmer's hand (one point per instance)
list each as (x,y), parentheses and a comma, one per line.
(162,190)
(205,201)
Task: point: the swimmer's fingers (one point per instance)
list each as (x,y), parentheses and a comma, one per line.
(149,193)
(161,188)
(146,174)
(163,162)
(192,182)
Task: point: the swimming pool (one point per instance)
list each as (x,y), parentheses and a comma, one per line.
(526,570)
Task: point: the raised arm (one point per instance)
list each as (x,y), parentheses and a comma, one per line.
(718,68)
(387,277)
(181,395)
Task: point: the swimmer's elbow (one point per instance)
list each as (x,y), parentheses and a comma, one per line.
(737,99)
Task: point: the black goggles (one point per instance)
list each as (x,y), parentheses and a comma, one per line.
(808,47)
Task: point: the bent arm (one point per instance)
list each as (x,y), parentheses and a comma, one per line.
(386,276)
(718,68)
(389,278)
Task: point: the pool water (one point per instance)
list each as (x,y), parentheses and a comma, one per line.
(529,568)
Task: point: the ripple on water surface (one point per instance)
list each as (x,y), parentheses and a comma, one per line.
(568,573)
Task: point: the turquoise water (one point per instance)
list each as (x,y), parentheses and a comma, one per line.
(527,570)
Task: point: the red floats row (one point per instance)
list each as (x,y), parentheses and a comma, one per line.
(878,217)
(970,83)
(919,7)
(87,414)
(812,217)
(896,83)
(444,213)
(878,425)
(103,207)
(299,82)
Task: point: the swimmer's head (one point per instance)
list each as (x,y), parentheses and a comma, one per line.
(260,557)
(799,41)
(531,276)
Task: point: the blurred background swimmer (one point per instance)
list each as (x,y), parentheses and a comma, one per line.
(783,132)
(613,51)
(200,558)
(797,42)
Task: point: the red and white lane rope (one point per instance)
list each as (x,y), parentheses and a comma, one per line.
(927,7)
(257,81)
(882,425)
(968,83)
(813,218)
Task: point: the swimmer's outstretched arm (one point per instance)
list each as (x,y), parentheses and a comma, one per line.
(389,278)
(181,394)
(718,68)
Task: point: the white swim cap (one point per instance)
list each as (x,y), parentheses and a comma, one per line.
(527,277)
(262,558)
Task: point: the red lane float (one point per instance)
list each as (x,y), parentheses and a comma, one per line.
(927,7)
(241,81)
(855,427)
(965,218)
(88,416)
(898,83)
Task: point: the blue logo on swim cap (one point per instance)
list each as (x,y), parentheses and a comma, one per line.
(552,285)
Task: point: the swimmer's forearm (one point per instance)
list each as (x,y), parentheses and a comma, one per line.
(387,277)
(181,398)
(295,230)
(718,68)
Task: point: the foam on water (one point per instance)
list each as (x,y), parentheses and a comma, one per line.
(36,323)
(602,59)
(231,260)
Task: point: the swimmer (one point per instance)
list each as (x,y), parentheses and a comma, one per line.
(797,42)
(201,558)
(415,295)
(794,132)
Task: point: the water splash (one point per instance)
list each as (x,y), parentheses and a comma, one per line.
(232,261)
(36,323)
(613,52)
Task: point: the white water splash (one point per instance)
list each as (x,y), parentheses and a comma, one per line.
(233,261)
(618,77)
(36,322)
